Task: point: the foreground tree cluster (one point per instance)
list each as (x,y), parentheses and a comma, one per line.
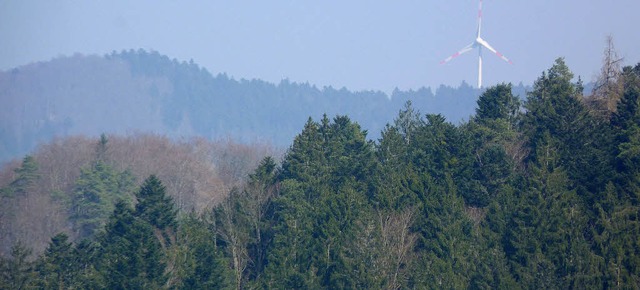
(540,194)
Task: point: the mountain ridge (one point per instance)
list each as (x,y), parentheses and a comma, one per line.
(145,91)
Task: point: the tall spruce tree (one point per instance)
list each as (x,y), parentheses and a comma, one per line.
(57,268)
(131,254)
(330,167)
(291,251)
(554,109)
(626,123)
(497,103)
(154,205)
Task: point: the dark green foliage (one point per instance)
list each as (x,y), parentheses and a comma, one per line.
(86,260)
(546,198)
(154,205)
(616,244)
(57,268)
(131,255)
(626,121)
(17,272)
(303,158)
(202,265)
(555,110)
(491,170)
(397,177)
(290,254)
(444,244)
(497,103)
(626,113)
(327,177)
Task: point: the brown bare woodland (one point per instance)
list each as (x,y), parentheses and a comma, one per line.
(197,173)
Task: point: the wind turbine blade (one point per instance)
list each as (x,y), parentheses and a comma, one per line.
(488,46)
(460,52)
(479,18)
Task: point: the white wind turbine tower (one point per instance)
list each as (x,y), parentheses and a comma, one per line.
(479,43)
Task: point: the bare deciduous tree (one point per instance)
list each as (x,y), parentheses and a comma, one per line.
(198,174)
(386,245)
(608,87)
(236,238)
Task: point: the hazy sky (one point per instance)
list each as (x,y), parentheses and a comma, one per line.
(360,44)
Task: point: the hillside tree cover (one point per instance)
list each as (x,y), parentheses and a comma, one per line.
(538,194)
(145,91)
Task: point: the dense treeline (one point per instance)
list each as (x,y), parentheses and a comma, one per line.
(540,194)
(145,91)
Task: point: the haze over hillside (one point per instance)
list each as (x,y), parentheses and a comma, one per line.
(319,144)
(142,91)
(540,194)
(361,45)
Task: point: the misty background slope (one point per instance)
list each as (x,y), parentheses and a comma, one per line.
(141,91)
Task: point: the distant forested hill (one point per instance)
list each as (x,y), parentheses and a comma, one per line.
(141,91)
(540,194)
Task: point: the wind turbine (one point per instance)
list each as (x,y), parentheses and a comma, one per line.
(477,43)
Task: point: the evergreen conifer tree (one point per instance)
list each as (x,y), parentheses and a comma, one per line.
(26,175)
(131,255)
(18,272)
(57,268)
(96,191)
(203,266)
(154,205)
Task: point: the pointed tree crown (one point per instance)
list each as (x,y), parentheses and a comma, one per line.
(154,205)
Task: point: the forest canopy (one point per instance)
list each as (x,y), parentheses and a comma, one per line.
(538,192)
